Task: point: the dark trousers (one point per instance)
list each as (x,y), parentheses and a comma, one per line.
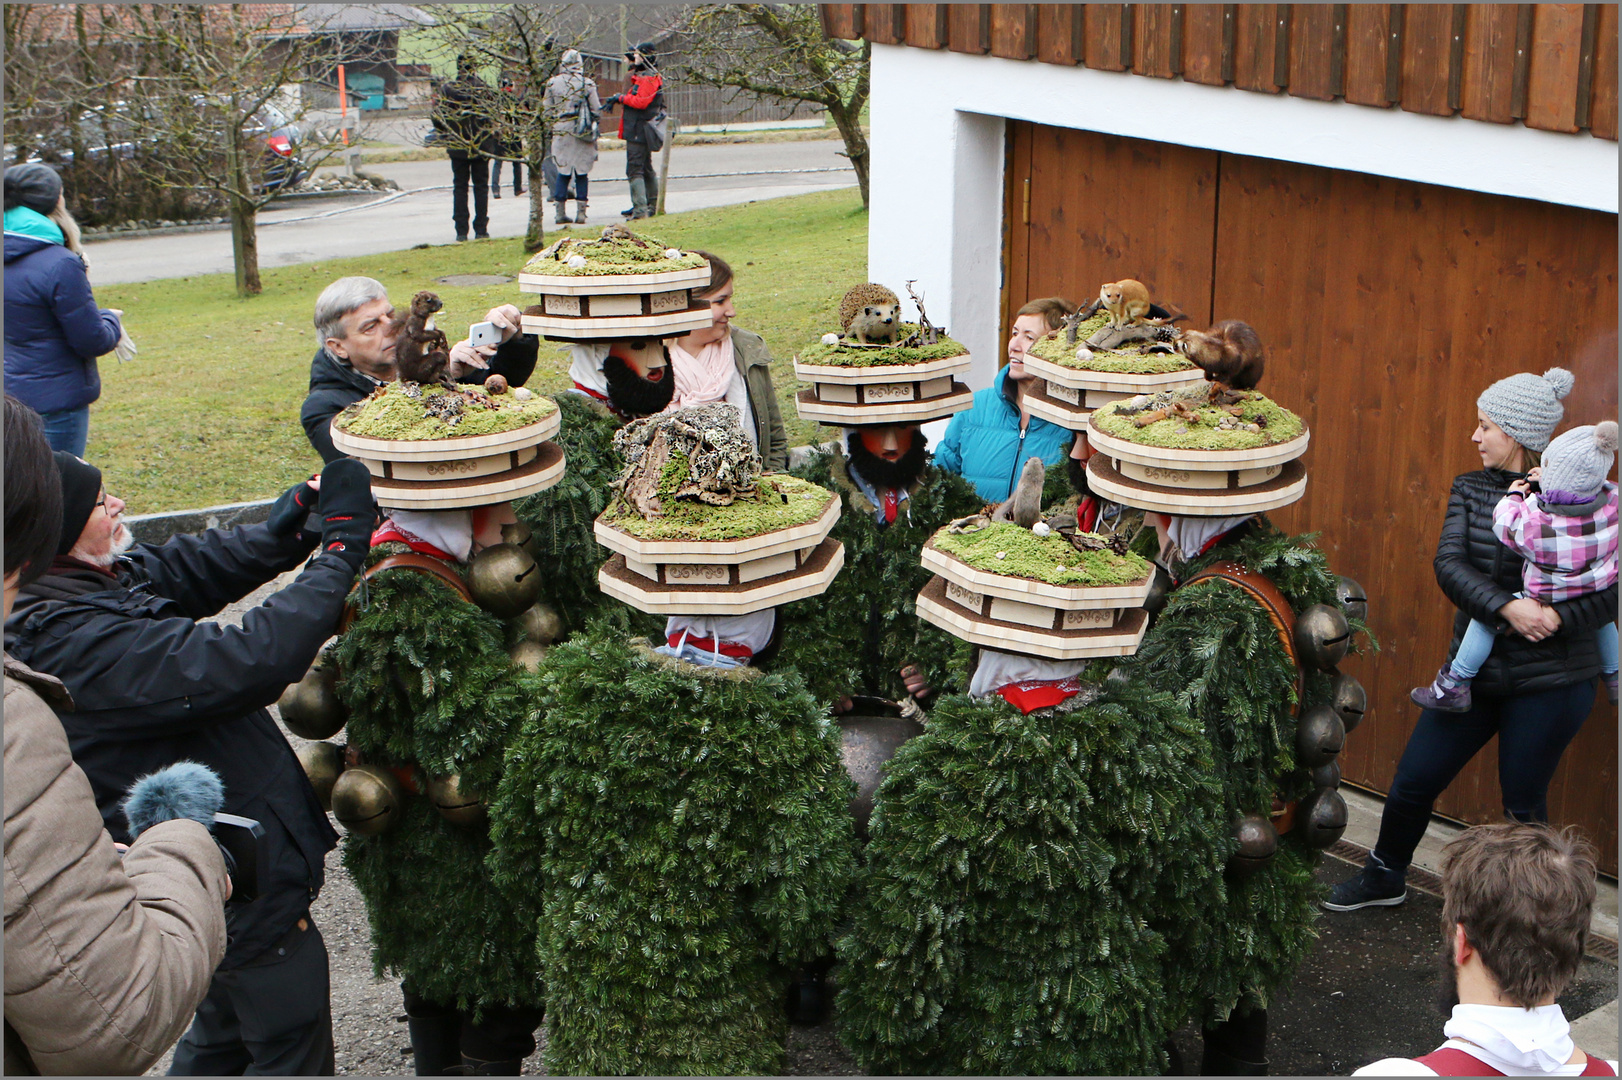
(562,182)
(476,169)
(502,1034)
(270,1017)
(1533,731)
(518,176)
(639,165)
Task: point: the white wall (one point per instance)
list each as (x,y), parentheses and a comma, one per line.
(937,146)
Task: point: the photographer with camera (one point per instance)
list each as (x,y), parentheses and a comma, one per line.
(119,625)
(642,126)
(105,960)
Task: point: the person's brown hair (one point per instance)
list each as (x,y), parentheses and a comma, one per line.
(33,493)
(1524,895)
(720,274)
(1053,309)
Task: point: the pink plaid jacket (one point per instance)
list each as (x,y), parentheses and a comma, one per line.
(1565,556)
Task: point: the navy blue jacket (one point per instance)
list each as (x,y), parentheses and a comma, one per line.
(152,685)
(54,330)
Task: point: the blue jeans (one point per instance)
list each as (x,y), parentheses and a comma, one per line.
(1533,732)
(1476,645)
(560,186)
(67,429)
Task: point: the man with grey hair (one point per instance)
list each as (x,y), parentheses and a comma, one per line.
(355,331)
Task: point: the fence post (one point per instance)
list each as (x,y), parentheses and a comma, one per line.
(664,165)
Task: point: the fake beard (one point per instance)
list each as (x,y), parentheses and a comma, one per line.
(892,475)
(633,395)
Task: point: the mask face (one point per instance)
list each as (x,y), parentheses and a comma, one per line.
(895,474)
(888,441)
(632,393)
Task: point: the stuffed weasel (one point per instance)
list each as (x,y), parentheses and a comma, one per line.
(1230,353)
(422,354)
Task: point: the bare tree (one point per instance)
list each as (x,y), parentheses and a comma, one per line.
(780,50)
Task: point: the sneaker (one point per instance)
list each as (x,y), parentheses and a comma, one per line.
(486,236)
(1609,679)
(628,213)
(1372,886)
(1446,694)
(495,193)
(461,236)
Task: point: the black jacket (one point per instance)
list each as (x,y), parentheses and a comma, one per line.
(153,686)
(1481,575)
(462,114)
(335,385)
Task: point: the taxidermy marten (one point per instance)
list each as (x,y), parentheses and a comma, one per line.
(870,314)
(422,354)
(1127,301)
(1229,353)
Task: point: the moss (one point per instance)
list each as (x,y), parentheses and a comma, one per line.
(1281,425)
(1049,558)
(1055,350)
(849,356)
(390,414)
(784,502)
(673,475)
(616,256)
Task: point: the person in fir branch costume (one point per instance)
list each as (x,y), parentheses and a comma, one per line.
(431,692)
(893,499)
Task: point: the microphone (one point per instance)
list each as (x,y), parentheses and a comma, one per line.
(185,789)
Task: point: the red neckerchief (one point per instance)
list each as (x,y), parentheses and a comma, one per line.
(589,392)
(728,648)
(1033,694)
(891,500)
(67,562)
(1211,543)
(392,532)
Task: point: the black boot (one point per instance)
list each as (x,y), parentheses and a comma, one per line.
(1237,1046)
(478,1067)
(807,1003)
(436,1044)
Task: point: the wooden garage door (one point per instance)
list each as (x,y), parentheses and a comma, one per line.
(1386,306)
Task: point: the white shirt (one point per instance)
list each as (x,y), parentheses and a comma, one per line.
(1515,1041)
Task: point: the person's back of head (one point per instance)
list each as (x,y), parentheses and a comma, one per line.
(33,494)
(1053,310)
(1524,895)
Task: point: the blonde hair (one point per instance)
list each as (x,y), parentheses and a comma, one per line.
(70,228)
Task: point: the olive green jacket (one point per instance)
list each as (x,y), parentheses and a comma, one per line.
(754,362)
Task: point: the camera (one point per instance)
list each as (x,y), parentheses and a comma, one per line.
(241,841)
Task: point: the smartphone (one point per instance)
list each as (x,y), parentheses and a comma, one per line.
(484,333)
(246,857)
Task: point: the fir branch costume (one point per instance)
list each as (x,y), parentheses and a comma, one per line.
(855,638)
(428,682)
(687,833)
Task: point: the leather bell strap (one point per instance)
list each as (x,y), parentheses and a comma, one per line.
(406,560)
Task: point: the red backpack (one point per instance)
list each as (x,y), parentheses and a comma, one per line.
(1451,1061)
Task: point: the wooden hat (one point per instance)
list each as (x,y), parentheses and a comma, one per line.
(620,302)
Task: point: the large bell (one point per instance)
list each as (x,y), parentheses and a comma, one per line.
(310,707)
(517,532)
(867,743)
(528,655)
(322,763)
(1319,736)
(541,623)
(1258,840)
(1353,599)
(1322,637)
(367,799)
(455,804)
(1326,776)
(504,579)
(1349,700)
(1322,817)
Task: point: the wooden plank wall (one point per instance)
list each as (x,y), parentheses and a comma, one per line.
(1386,306)
(1551,66)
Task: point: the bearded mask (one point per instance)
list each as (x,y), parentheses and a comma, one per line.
(898,475)
(631,393)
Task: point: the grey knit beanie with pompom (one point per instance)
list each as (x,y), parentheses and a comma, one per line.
(1528,406)
(1575,465)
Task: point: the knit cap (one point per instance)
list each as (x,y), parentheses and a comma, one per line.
(81,485)
(32,185)
(1575,465)
(1528,406)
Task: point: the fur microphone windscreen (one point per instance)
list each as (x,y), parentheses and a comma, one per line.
(182,790)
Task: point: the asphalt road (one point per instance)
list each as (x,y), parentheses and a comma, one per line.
(312,231)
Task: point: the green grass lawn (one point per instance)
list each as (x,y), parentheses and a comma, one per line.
(208,412)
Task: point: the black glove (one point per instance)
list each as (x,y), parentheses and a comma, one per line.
(348,513)
(611,102)
(290,514)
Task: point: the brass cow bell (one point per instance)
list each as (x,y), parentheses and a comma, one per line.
(1326,776)
(455,804)
(504,579)
(322,762)
(1319,736)
(541,623)
(528,655)
(1353,598)
(1349,700)
(519,533)
(310,707)
(1258,841)
(1323,817)
(1322,637)
(867,743)
(367,799)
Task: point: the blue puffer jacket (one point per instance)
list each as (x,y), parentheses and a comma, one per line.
(985,446)
(54,330)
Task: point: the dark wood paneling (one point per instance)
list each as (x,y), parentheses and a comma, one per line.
(1059,30)
(926,26)
(886,23)
(1202,43)
(1101,37)
(1385,307)
(1551,76)
(1489,63)
(1367,36)
(1427,49)
(1602,103)
(1317,42)
(968,26)
(1013,31)
(841,20)
(1016,230)
(1152,40)
(1254,60)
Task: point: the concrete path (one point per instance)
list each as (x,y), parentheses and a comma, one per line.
(700,177)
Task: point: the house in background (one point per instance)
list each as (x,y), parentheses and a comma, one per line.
(1407,202)
(365,39)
